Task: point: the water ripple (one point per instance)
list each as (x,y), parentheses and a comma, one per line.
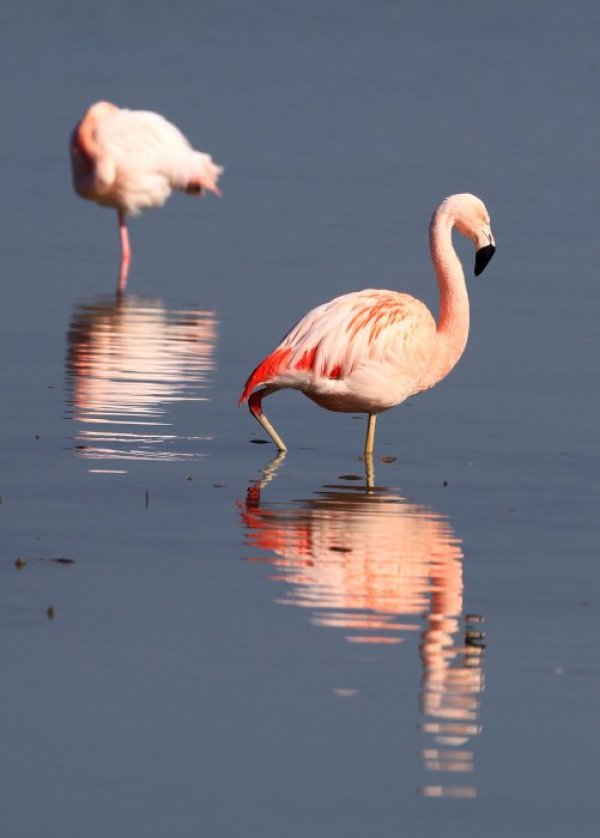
(382,569)
(128,361)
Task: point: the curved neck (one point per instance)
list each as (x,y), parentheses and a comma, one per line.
(453,319)
(96,167)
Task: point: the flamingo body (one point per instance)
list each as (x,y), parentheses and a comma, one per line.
(370,350)
(361,352)
(132,160)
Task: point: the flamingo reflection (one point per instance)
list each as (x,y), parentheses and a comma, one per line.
(367,561)
(128,361)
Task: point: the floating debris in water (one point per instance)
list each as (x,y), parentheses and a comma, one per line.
(50,612)
(444,483)
(350,477)
(387,459)
(259,441)
(20,562)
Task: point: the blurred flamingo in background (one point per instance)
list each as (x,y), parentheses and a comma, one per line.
(367,351)
(131,160)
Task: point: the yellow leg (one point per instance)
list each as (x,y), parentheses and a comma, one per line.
(271,431)
(369,472)
(254,405)
(370,437)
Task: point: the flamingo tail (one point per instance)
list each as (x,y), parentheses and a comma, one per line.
(205,176)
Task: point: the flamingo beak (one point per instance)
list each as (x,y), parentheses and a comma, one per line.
(482,257)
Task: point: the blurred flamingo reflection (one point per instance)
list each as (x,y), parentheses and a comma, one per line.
(128,361)
(379,567)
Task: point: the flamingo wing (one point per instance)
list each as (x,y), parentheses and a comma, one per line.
(368,340)
(151,157)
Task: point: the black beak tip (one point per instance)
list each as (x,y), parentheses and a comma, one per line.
(482,257)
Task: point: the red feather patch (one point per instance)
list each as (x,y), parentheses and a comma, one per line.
(265,371)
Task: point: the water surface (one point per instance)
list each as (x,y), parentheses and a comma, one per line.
(235,648)
(128,360)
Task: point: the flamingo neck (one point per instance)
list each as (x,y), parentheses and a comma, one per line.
(453,320)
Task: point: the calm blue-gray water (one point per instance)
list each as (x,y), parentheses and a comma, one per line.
(197,638)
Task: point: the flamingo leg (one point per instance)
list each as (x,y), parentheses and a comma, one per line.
(370,437)
(125,253)
(254,405)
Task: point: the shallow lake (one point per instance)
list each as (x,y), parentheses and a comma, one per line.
(201,638)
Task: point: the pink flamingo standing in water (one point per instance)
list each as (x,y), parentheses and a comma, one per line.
(368,351)
(132,160)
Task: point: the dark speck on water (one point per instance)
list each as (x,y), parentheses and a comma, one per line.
(20,562)
(474,618)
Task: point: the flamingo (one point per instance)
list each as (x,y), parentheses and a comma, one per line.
(367,351)
(131,160)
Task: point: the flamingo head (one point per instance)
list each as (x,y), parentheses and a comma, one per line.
(472,219)
(83,143)
(100,110)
